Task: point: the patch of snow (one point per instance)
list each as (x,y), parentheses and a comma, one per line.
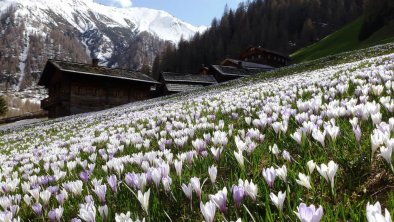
(22,59)
(83,14)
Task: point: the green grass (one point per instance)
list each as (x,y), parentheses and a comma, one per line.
(355,183)
(346,39)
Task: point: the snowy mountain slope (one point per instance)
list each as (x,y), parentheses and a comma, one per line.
(83,15)
(67,29)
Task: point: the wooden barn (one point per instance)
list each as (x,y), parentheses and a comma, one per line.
(264,56)
(78,88)
(176,82)
(226,73)
(246,65)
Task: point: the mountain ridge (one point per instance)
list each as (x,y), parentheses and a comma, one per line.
(119,37)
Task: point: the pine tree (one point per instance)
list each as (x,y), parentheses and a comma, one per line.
(3,106)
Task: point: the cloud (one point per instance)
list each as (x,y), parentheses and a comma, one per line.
(120,3)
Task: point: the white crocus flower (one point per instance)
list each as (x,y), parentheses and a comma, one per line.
(278,200)
(178,164)
(195,182)
(87,212)
(123,217)
(328,172)
(282,173)
(45,196)
(250,188)
(208,211)
(144,200)
(304,180)
(212,171)
(274,149)
(386,153)
(333,131)
(311,166)
(240,158)
(376,118)
(374,213)
(297,136)
(188,190)
(377,140)
(319,136)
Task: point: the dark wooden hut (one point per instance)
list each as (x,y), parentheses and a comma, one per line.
(264,56)
(226,73)
(78,88)
(246,65)
(179,82)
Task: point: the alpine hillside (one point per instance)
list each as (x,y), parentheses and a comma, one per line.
(33,31)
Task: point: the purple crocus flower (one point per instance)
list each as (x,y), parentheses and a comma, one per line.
(60,198)
(131,180)
(37,209)
(89,199)
(14,209)
(84,175)
(44,180)
(357,133)
(189,157)
(162,146)
(220,199)
(101,191)
(269,176)
(112,181)
(52,215)
(238,195)
(53,189)
(4,189)
(51,179)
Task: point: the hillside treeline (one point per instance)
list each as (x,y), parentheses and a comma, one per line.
(378,13)
(281,25)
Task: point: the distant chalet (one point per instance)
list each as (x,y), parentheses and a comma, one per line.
(78,88)
(256,54)
(231,69)
(177,82)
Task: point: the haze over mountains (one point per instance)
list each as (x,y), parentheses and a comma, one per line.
(35,30)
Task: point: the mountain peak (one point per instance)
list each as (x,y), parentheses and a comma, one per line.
(78,29)
(83,13)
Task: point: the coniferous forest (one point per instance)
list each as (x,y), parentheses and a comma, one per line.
(280,25)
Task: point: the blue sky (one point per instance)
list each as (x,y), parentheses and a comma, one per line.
(196,12)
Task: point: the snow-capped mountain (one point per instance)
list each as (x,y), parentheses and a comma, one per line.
(67,29)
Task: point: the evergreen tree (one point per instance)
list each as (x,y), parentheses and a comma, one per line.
(377,14)
(156,68)
(3,106)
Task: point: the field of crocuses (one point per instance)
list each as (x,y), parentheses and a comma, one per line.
(309,143)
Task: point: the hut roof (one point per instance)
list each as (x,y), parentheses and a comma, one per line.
(173,87)
(249,65)
(188,78)
(261,49)
(234,71)
(88,69)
